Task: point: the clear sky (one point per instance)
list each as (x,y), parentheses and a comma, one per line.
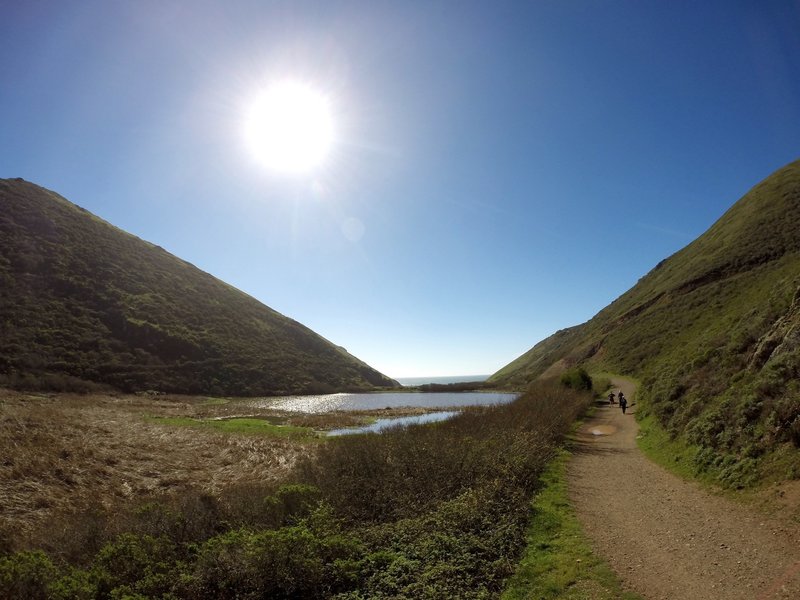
(498,170)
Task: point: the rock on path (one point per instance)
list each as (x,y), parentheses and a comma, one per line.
(667,538)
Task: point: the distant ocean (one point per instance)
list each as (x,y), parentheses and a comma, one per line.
(412,381)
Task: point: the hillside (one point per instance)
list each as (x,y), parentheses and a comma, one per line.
(83,302)
(713,332)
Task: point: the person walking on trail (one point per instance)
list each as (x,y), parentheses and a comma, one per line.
(611,397)
(623,402)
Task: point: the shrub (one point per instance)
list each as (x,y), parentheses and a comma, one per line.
(76,584)
(398,474)
(135,564)
(192,517)
(600,385)
(26,575)
(577,379)
(785,419)
(463,549)
(259,505)
(313,559)
(292,502)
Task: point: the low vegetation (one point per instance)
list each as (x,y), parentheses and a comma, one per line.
(436,511)
(251,426)
(85,307)
(576,378)
(461,386)
(558,563)
(65,454)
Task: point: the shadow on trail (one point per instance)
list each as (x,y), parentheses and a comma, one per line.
(587,448)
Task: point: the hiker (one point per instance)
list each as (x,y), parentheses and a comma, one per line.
(623,402)
(611,398)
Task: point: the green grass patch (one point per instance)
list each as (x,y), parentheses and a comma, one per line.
(558,562)
(248,426)
(215,401)
(686,461)
(673,454)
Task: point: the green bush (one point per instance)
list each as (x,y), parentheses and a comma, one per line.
(600,385)
(464,549)
(313,559)
(135,564)
(26,575)
(191,517)
(577,379)
(76,584)
(292,502)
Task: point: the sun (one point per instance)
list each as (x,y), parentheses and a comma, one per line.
(289,127)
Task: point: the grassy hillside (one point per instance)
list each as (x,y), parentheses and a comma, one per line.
(713,332)
(82,301)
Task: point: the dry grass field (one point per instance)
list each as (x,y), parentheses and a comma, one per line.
(64,454)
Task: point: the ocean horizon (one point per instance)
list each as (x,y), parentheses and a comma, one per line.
(415,381)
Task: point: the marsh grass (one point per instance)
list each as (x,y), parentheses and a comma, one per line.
(66,457)
(434,511)
(331,420)
(247,426)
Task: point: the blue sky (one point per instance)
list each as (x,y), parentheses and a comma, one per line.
(500,170)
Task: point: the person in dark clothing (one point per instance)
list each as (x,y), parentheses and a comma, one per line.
(611,398)
(623,402)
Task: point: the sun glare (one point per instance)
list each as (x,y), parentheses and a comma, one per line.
(289,128)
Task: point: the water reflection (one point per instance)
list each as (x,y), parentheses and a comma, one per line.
(384,424)
(372,401)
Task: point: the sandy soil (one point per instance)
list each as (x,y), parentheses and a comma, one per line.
(667,538)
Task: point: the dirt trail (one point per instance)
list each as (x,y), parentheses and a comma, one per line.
(667,538)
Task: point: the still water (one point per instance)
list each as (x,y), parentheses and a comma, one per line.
(371,401)
(376,400)
(384,424)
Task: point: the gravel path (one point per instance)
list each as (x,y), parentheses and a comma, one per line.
(667,538)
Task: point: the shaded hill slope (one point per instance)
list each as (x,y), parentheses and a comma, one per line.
(83,301)
(714,333)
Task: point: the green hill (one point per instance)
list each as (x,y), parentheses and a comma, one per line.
(82,301)
(713,333)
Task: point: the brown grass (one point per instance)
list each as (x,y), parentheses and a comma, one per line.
(65,454)
(403,472)
(353,418)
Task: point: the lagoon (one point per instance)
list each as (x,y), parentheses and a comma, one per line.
(383,424)
(323,403)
